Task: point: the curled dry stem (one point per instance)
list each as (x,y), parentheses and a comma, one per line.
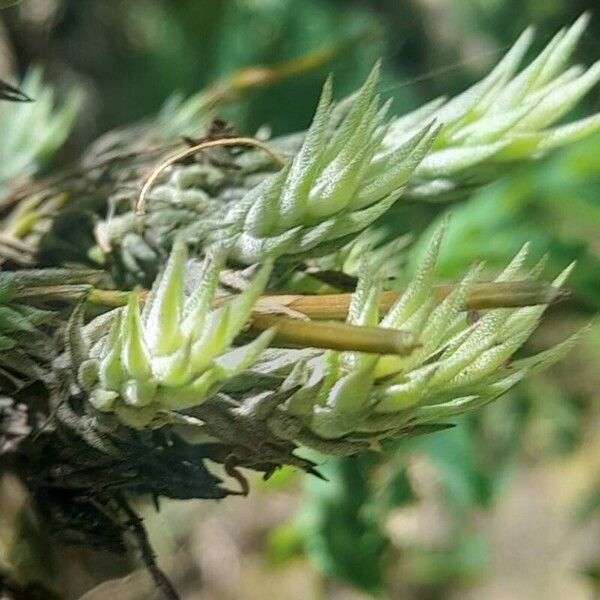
(175,158)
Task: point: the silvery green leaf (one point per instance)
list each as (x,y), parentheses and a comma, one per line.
(250,250)
(547,358)
(199,302)
(566,134)
(135,357)
(189,395)
(236,361)
(559,102)
(138,393)
(164,311)
(175,369)
(563,50)
(400,396)
(419,287)
(441,163)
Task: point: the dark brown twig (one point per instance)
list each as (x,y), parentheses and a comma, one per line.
(12,94)
(148,556)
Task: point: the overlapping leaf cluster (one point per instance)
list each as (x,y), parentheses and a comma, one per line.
(140,396)
(31,132)
(191,203)
(338,183)
(462,363)
(146,363)
(160,365)
(505,117)
(355,162)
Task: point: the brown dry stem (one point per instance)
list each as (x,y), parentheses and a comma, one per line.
(319,328)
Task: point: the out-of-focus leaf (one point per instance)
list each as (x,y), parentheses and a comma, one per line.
(468,557)
(589,506)
(453,453)
(31,132)
(285,543)
(341,524)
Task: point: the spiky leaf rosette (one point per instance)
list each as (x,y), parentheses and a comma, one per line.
(146,364)
(348,400)
(335,184)
(173,363)
(338,183)
(506,117)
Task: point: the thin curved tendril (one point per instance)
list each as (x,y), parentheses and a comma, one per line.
(237,141)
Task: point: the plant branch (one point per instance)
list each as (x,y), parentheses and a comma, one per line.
(230,87)
(336,336)
(148,556)
(310,330)
(482,296)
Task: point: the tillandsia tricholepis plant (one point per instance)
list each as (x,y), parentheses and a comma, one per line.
(190,335)
(355,161)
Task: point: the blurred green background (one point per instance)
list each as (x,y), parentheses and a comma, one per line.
(505,505)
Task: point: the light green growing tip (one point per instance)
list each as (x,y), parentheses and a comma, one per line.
(339,182)
(174,352)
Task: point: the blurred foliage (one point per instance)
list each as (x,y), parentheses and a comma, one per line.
(145,50)
(343,524)
(31,132)
(340,524)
